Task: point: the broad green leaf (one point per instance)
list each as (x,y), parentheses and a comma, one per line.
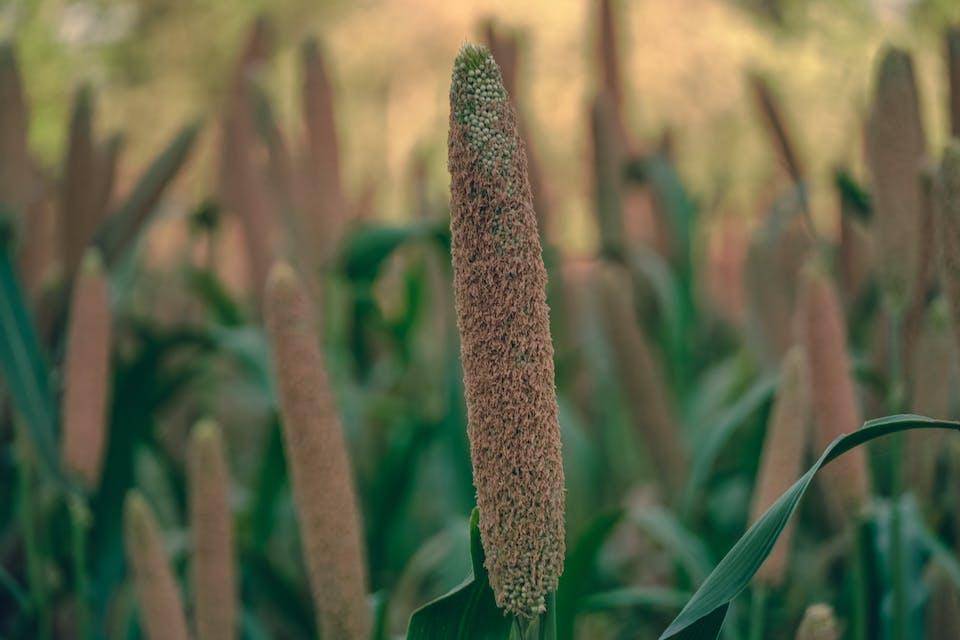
(24,367)
(469,612)
(703,616)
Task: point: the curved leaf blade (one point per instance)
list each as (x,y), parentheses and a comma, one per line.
(704,614)
(469,612)
(116,235)
(25,369)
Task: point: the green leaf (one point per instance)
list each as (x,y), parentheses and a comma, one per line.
(24,366)
(120,230)
(469,612)
(703,616)
(367,248)
(663,528)
(854,199)
(715,437)
(578,577)
(900,548)
(211,291)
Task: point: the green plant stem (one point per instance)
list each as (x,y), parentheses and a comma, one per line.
(757,611)
(548,621)
(8,582)
(863,625)
(79,522)
(858,623)
(35,578)
(897,575)
(897,401)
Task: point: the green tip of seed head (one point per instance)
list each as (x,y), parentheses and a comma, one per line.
(473,56)
(815,269)
(205,432)
(477,102)
(282,277)
(138,519)
(92,264)
(476,81)
(940,313)
(949,179)
(309,49)
(895,63)
(206,440)
(951,156)
(7,55)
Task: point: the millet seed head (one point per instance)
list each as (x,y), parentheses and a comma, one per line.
(87,373)
(784,448)
(211,524)
(947,222)
(819,623)
(331,529)
(896,154)
(161,609)
(502,315)
(835,406)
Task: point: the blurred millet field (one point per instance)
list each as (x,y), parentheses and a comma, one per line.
(480,320)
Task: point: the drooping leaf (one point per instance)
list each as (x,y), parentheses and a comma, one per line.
(703,616)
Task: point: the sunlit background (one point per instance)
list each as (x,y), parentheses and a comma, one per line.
(157,64)
(707,329)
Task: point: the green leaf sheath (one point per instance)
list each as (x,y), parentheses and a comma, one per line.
(704,614)
(24,367)
(469,612)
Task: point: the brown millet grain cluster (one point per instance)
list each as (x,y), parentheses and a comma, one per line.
(948,228)
(833,397)
(161,610)
(819,623)
(953,67)
(896,153)
(211,523)
(87,373)
(784,447)
(642,381)
(319,464)
(500,286)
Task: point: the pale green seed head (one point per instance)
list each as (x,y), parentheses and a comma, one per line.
(478,101)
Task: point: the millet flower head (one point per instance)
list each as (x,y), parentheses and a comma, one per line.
(500,286)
